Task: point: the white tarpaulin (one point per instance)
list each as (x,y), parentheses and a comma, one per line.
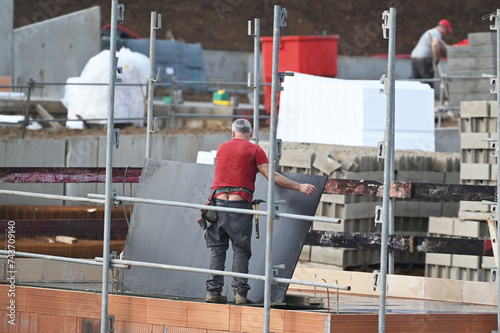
(91,101)
(316,109)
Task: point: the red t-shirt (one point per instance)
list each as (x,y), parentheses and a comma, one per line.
(236,165)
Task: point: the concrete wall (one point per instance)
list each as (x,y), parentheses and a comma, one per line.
(55,49)
(7,23)
(91,152)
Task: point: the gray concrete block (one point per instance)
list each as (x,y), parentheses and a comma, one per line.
(475,216)
(475,171)
(438,259)
(305,254)
(474,206)
(474,140)
(493,108)
(420,176)
(441,225)
(474,109)
(473,262)
(482,38)
(325,164)
(298,159)
(463,86)
(466,228)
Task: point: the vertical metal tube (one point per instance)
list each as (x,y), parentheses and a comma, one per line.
(256,79)
(389,153)
(113,60)
(152,62)
(272,167)
(497,24)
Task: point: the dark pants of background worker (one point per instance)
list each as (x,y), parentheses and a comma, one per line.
(422,68)
(237,228)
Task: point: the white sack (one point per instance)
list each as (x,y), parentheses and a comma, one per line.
(91,101)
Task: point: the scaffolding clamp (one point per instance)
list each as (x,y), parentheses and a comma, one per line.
(283,15)
(493,16)
(121,11)
(380,150)
(110,327)
(116,137)
(157,23)
(376,276)
(379,210)
(385,82)
(385,24)
(275,269)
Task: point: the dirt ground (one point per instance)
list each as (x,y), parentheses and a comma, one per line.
(222,24)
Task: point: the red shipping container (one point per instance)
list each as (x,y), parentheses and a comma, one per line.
(315,55)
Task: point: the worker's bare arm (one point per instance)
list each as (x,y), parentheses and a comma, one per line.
(284,182)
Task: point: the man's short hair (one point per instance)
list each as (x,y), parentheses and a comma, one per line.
(241,126)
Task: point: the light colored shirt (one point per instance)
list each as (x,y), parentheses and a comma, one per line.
(423,49)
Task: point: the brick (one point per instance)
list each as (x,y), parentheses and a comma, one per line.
(441,225)
(474,109)
(465,228)
(475,171)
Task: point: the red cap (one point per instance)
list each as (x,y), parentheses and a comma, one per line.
(445,23)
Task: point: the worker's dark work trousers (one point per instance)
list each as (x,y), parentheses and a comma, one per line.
(422,68)
(237,228)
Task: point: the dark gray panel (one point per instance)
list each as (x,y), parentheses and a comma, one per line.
(170,235)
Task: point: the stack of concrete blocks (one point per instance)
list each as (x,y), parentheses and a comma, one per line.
(357,212)
(478,167)
(468,61)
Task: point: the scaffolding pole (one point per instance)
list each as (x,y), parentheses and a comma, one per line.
(112,139)
(279,21)
(389,24)
(496,89)
(152,80)
(256,79)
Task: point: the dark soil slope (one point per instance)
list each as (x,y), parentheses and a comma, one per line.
(222,24)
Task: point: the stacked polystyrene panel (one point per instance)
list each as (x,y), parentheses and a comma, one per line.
(357,212)
(468,61)
(478,167)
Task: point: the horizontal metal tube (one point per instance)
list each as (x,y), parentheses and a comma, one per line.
(217,208)
(58,258)
(51,196)
(226,273)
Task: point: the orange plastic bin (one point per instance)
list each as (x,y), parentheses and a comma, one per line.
(316,55)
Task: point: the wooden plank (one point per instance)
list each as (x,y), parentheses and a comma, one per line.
(46,115)
(66,239)
(81,228)
(411,190)
(369,188)
(68,175)
(400,243)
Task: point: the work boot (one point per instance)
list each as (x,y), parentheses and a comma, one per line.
(240,299)
(215,297)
